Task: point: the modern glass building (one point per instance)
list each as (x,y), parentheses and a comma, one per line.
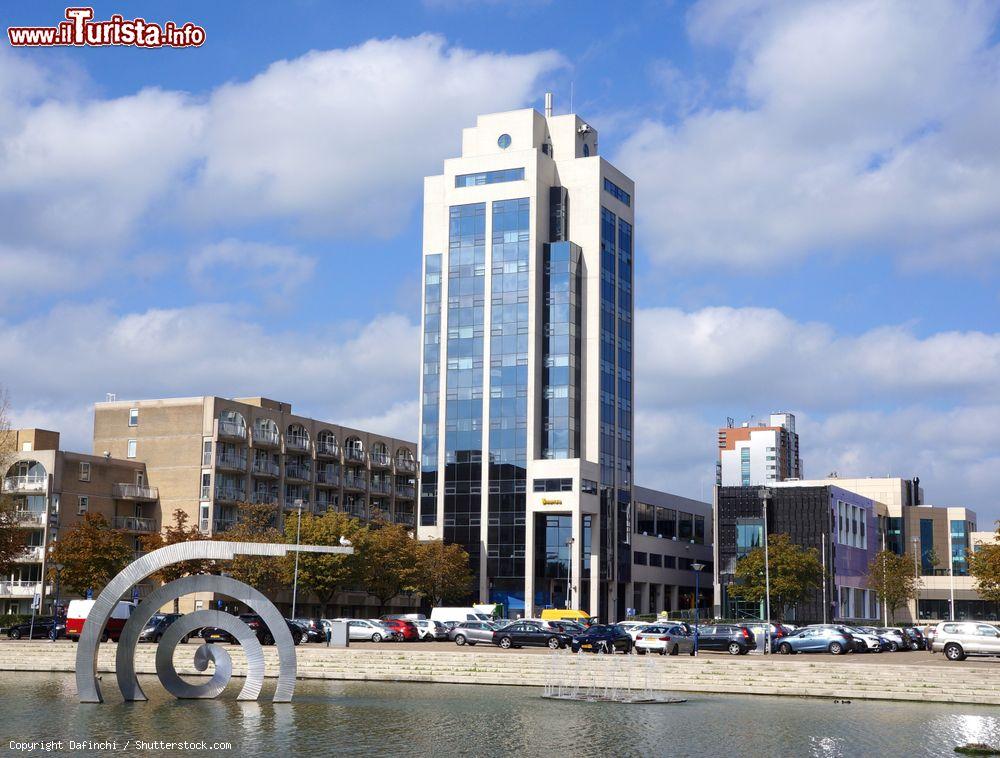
(526,387)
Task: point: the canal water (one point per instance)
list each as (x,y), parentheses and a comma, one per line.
(381,718)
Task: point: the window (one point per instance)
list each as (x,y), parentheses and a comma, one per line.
(617,192)
(553,485)
(638,558)
(131,449)
(749,535)
(655,559)
(206,453)
(669,562)
(490,177)
(84,471)
(588,486)
(644,519)
(83,504)
(503,141)
(206,486)
(133,417)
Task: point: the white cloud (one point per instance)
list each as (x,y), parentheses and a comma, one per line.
(271,271)
(862,125)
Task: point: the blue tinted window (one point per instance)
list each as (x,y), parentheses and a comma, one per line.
(490,177)
(617,192)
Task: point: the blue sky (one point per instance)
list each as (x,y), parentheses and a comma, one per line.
(818,200)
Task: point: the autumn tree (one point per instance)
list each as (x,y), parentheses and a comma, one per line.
(256,523)
(13,536)
(984,565)
(324,574)
(91,554)
(171,535)
(388,555)
(893,579)
(441,572)
(795,573)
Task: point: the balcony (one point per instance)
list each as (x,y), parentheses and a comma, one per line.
(126,491)
(20,588)
(264,497)
(230,494)
(266,438)
(355,483)
(25,483)
(355,455)
(406,465)
(406,519)
(291,505)
(325,449)
(357,511)
(232,430)
(266,468)
(381,488)
(296,471)
(380,460)
(31,555)
(30,518)
(231,462)
(329,478)
(297,443)
(135,524)
(405,492)
(324,503)
(223,524)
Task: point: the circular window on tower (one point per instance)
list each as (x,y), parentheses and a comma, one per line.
(504,141)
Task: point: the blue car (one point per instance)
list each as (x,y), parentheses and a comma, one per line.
(814,639)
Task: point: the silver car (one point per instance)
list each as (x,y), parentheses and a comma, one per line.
(958,639)
(471,632)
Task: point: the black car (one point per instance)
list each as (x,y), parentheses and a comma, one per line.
(602,638)
(312,629)
(255,622)
(522,633)
(157,625)
(42,629)
(917,640)
(736,640)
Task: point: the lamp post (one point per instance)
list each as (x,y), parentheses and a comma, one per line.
(696,567)
(569,578)
(54,632)
(298,534)
(764,494)
(916,574)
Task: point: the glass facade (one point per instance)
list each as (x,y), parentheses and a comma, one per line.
(489,177)
(745,466)
(464,380)
(960,547)
(617,192)
(552,559)
(561,361)
(430,402)
(749,535)
(508,432)
(927,553)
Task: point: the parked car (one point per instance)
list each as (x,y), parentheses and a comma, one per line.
(817,639)
(157,625)
(872,643)
(568,614)
(407,630)
(777,631)
(892,639)
(471,632)
(521,633)
(42,629)
(312,629)
(737,640)
(458,614)
(256,623)
(919,642)
(429,630)
(959,639)
(368,630)
(76,616)
(664,639)
(602,638)
(632,627)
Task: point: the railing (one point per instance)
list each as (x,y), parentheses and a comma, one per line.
(266,437)
(266,468)
(407,465)
(232,429)
(31,555)
(30,518)
(20,588)
(25,483)
(290,504)
(238,462)
(296,471)
(263,497)
(223,524)
(135,523)
(329,449)
(328,477)
(406,492)
(229,493)
(353,454)
(323,504)
(406,519)
(382,488)
(355,482)
(127,491)
(358,511)
(296,443)
(381,459)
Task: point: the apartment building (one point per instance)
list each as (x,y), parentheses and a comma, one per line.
(760,452)
(52,490)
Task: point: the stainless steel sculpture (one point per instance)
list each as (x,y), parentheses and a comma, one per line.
(87,685)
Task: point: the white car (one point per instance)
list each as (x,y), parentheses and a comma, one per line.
(664,638)
(429,631)
(633,627)
(872,642)
(368,630)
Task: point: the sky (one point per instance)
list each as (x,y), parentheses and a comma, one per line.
(817,200)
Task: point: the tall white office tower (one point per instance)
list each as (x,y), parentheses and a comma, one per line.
(526,388)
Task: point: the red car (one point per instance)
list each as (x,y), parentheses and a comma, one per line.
(407,629)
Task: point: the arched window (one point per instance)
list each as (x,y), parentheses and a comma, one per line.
(405,460)
(26,476)
(232,424)
(296,437)
(354,449)
(326,444)
(265,431)
(380,454)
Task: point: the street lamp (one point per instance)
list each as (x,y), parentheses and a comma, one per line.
(569,579)
(54,633)
(298,534)
(696,567)
(764,494)
(916,574)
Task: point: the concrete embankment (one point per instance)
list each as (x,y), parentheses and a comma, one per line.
(811,676)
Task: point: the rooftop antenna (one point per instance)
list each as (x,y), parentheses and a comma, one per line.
(110,397)
(571,98)
(548,105)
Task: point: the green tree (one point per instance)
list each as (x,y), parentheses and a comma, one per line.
(984,565)
(91,553)
(795,573)
(441,572)
(172,535)
(387,558)
(893,579)
(324,575)
(256,523)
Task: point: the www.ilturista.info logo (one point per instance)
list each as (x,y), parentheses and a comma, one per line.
(79,29)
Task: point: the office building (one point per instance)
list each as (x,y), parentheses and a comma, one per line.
(527,359)
(52,490)
(757,453)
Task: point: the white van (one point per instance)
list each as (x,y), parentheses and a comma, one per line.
(445,615)
(78,611)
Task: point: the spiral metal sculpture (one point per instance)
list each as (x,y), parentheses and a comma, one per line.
(87,684)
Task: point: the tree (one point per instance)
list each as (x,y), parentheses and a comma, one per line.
(91,554)
(441,572)
(893,578)
(13,536)
(795,573)
(324,575)
(387,558)
(256,523)
(172,535)
(984,565)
